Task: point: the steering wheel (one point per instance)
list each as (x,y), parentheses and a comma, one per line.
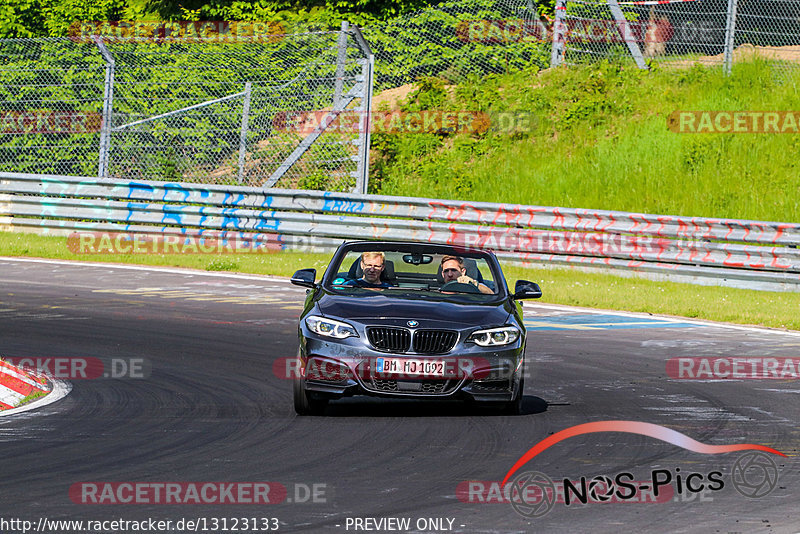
(458,287)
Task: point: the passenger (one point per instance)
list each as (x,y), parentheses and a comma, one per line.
(372,265)
(453,271)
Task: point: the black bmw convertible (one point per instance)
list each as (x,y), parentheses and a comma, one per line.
(411,320)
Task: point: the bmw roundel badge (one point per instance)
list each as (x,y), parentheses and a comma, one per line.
(412,324)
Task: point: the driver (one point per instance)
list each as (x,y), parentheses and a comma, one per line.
(372,264)
(453,271)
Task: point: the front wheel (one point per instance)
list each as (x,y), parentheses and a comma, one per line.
(304,404)
(514,406)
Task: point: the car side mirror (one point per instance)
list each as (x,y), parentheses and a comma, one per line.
(526,290)
(305,278)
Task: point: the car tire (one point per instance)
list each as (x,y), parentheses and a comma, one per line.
(304,404)
(514,407)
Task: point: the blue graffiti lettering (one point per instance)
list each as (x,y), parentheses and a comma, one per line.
(178,188)
(346,206)
(136,186)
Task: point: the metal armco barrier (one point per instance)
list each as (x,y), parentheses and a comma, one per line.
(754,254)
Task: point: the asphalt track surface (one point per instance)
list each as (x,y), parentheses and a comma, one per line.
(212,409)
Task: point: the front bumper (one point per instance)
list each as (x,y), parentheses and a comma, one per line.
(342,368)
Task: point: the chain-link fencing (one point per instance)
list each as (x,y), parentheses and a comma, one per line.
(677,32)
(251,113)
(459,39)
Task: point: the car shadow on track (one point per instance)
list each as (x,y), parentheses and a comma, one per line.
(369,407)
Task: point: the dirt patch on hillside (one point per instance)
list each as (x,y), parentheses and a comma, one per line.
(745,52)
(392,97)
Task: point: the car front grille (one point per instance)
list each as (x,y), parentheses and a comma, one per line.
(411,387)
(434,341)
(388,339)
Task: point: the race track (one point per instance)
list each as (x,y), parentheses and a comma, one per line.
(206,405)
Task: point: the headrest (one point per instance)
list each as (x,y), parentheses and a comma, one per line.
(387,275)
(470,265)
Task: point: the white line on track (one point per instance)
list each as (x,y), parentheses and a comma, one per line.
(173,270)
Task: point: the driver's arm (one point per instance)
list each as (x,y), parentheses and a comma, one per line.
(464,279)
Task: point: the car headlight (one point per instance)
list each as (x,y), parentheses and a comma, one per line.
(330,327)
(494,337)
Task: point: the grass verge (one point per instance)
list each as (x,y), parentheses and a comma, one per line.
(560,286)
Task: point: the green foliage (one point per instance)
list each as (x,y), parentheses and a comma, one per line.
(32,396)
(316,180)
(39,18)
(20,18)
(222,264)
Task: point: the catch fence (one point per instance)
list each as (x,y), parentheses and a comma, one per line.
(188,110)
(677,32)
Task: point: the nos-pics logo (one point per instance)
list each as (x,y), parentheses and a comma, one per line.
(533,494)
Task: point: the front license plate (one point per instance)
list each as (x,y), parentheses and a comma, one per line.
(410,367)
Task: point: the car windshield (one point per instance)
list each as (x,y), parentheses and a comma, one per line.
(410,271)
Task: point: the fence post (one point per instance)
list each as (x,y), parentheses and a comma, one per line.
(730,36)
(341,58)
(108,108)
(559,33)
(243,131)
(625,30)
(365,111)
(365,125)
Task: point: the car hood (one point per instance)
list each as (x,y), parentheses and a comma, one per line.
(380,307)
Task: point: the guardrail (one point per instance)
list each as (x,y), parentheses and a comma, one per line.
(756,254)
